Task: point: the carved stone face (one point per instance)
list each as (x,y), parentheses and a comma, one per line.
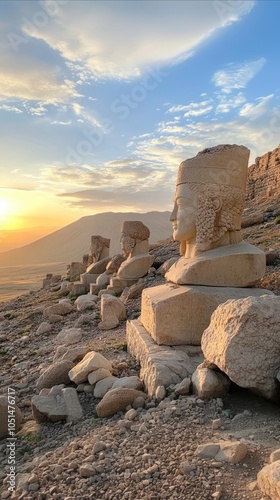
(184,214)
(127,244)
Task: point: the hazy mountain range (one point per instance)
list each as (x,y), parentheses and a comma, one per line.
(72,241)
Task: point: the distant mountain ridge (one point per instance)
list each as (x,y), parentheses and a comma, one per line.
(72,241)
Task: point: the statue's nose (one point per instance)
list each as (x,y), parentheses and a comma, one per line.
(173,215)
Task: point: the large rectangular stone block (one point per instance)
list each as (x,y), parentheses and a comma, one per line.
(179,314)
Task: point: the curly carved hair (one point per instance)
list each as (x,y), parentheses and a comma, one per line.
(213,223)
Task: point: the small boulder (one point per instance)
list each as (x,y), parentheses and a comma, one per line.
(68,336)
(133,382)
(117,400)
(166,265)
(96,375)
(74,354)
(224,451)
(269,480)
(43,328)
(57,403)
(84,302)
(103,386)
(92,361)
(209,384)
(58,309)
(183,387)
(55,375)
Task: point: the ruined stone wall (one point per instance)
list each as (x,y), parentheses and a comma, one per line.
(264,175)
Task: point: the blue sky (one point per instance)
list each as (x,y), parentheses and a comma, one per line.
(101,100)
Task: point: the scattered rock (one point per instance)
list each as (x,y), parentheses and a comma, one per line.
(269,480)
(129,383)
(92,361)
(103,386)
(98,374)
(68,336)
(275,455)
(58,309)
(224,451)
(55,375)
(183,387)
(84,302)
(207,383)
(117,400)
(56,404)
(44,327)
(103,281)
(131,292)
(73,354)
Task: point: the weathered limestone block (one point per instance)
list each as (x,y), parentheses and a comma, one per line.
(4,403)
(79,288)
(243,341)
(160,366)
(117,400)
(56,404)
(75,269)
(55,375)
(112,312)
(269,480)
(209,384)
(178,315)
(87,279)
(92,361)
(118,285)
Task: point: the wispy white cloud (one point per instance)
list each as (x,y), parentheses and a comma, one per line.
(251,110)
(237,75)
(227,102)
(13,109)
(99,50)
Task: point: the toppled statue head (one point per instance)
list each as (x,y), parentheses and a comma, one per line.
(99,248)
(132,232)
(209,199)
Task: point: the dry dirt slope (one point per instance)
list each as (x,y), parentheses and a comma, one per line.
(72,241)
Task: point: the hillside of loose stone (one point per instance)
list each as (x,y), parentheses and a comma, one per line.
(153,455)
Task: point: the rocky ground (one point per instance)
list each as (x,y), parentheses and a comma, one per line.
(151,456)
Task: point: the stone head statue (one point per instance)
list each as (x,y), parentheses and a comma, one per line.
(209,199)
(132,234)
(99,248)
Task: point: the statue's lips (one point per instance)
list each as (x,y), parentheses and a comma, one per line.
(174,226)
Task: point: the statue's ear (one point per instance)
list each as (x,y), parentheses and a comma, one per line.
(216,203)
